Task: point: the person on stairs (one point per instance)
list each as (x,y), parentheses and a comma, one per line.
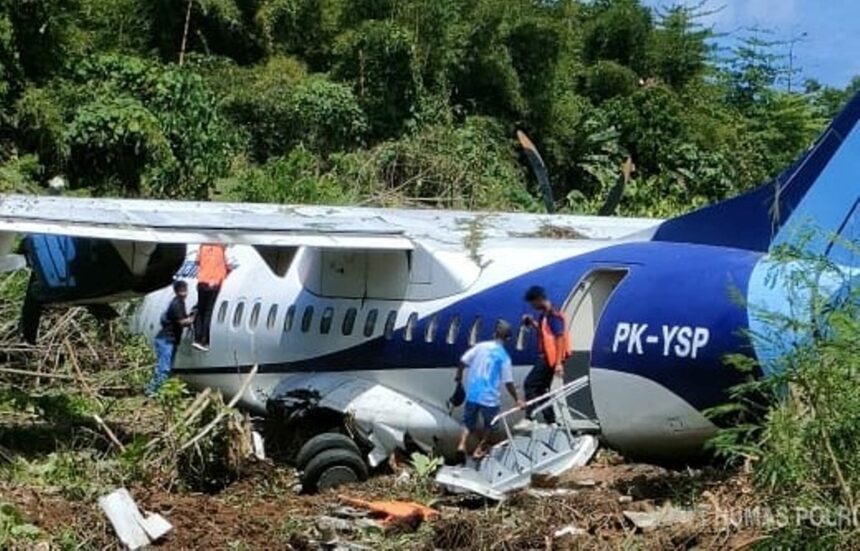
(488,367)
(553,347)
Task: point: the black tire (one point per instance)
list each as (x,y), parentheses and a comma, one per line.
(322,442)
(332,468)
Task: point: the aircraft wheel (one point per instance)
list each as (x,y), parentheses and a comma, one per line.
(331,468)
(322,442)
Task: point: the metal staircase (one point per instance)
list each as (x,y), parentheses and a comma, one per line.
(547,450)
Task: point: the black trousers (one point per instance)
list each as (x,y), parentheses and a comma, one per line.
(537,383)
(206,297)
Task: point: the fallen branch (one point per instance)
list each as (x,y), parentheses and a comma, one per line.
(212,424)
(73,359)
(36,374)
(109,432)
(201,402)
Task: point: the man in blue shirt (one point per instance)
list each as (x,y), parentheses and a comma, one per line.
(489,366)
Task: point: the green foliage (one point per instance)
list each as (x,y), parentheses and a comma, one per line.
(279,107)
(464,166)
(377,58)
(295,178)
(14,530)
(88,90)
(608,79)
(20,175)
(425,466)
(122,125)
(679,49)
(801,428)
(619,31)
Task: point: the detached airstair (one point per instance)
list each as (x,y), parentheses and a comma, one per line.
(547,450)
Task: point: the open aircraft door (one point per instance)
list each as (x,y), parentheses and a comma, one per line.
(582,310)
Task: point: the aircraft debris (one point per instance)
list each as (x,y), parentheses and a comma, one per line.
(259,445)
(585,483)
(569,530)
(545,492)
(659,518)
(395,513)
(133,529)
(327,525)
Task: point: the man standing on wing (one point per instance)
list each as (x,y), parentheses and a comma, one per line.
(489,366)
(174,320)
(553,345)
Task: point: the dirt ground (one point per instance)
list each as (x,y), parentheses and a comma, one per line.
(585,509)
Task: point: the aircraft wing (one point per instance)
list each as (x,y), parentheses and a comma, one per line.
(93,251)
(182,222)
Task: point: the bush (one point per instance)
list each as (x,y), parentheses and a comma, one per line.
(608,79)
(377,58)
(121,124)
(471,166)
(20,175)
(279,107)
(295,178)
(802,430)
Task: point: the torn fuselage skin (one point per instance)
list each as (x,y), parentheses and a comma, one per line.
(380,419)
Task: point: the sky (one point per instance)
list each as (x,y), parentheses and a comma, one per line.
(828,31)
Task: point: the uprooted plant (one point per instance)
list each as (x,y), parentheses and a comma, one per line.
(66,403)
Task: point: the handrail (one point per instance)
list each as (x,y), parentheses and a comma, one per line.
(574,385)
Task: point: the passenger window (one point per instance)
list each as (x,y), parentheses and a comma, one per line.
(272,317)
(522,335)
(307,318)
(410,326)
(370,322)
(222,312)
(453,329)
(390,322)
(475,332)
(254,318)
(326,319)
(430,330)
(288,319)
(237,314)
(348,321)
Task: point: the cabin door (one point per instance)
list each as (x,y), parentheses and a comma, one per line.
(582,310)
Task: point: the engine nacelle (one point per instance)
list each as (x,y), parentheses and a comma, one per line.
(77,270)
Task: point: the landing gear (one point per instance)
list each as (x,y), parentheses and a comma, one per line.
(328,460)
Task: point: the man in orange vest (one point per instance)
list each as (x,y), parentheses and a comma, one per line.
(554,347)
(212,270)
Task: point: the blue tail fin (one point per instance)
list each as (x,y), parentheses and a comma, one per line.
(820,191)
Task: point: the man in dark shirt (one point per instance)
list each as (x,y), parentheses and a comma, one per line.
(553,346)
(174,320)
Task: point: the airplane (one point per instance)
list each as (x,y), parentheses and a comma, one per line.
(350,321)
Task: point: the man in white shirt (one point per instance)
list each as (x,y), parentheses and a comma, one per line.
(489,366)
